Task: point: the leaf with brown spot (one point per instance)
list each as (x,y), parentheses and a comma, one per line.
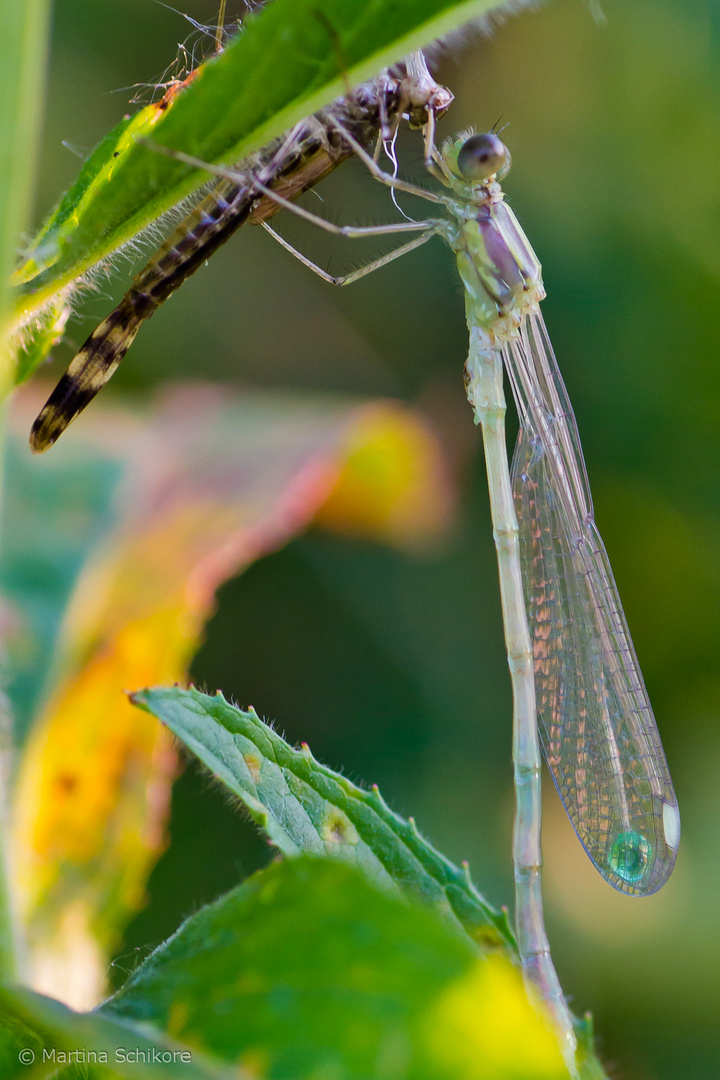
(302,806)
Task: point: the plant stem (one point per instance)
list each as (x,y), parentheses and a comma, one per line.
(23,51)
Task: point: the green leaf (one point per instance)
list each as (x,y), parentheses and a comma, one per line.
(308,970)
(23,49)
(291,58)
(305,807)
(40,337)
(15,1037)
(55,517)
(93,1045)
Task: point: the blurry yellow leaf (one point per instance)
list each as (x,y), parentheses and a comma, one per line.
(211,483)
(483,1027)
(393,484)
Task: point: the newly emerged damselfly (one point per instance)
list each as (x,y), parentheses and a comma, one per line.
(577,685)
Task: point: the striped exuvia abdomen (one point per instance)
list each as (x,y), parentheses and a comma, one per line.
(199,235)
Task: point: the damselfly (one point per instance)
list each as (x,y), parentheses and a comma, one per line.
(571,658)
(288,166)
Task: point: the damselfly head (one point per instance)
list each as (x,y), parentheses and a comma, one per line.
(477,158)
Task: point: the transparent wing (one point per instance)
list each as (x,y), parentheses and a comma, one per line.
(597,729)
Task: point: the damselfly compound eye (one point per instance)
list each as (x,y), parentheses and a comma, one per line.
(482,156)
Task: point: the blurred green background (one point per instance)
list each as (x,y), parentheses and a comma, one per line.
(391,666)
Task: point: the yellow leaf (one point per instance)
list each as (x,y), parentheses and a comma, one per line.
(484,1027)
(393,484)
(211,484)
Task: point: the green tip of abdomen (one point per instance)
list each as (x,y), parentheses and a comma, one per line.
(630,856)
